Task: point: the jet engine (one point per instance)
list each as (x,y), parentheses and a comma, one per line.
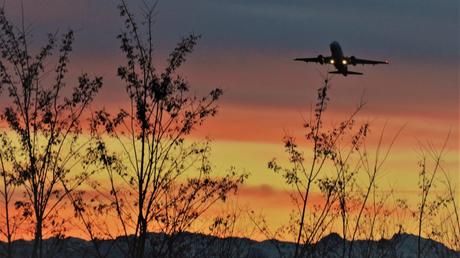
(353,60)
(321,59)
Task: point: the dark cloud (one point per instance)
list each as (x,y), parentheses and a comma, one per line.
(261,36)
(422,30)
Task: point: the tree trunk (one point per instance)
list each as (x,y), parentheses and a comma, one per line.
(37,249)
(139,246)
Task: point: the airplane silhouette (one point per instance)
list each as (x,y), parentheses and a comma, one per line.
(340,61)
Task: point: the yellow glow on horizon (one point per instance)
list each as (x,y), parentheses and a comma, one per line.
(268,194)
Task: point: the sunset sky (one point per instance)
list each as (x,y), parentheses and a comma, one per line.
(247,49)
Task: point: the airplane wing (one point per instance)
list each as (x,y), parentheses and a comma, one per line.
(353,60)
(319,59)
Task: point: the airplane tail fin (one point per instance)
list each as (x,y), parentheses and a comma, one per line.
(348,72)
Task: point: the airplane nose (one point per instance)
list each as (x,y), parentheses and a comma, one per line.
(334,45)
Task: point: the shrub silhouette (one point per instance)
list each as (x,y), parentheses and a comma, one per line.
(44,122)
(159,181)
(343,148)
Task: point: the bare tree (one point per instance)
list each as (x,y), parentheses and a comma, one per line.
(325,147)
(9,221)
(452,221)
(430,164)
(372,169)
(160,181)
(44,119)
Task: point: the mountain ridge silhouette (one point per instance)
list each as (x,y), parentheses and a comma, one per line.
(200,245)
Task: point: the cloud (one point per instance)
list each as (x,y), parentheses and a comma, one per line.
(418,30)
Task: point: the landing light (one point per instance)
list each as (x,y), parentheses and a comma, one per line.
(344,61)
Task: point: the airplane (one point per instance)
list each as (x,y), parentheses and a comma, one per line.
(340,61)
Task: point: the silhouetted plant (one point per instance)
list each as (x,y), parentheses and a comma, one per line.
(301,175)
(263,227)
(159,181)
(10,222)
(452,221)
(45,122)
(430,164)
(372,169)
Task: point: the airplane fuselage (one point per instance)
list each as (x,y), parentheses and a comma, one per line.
(338,59)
